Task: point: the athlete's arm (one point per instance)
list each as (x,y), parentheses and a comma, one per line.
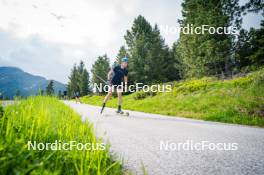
(110,73)
(125,79)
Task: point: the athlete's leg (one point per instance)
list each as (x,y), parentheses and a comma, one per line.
(107,97)
(119,94)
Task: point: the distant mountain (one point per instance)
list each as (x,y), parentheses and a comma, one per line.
(13,79)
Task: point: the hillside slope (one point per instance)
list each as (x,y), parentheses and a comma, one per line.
(13,79)
(239,100)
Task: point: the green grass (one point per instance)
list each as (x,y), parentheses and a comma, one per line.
(45,120)
(239,100)
(1,109)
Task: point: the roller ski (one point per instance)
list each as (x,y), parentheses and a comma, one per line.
(120,112)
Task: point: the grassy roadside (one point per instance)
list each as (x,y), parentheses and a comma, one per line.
(1,109)
(239,100)
(45,120)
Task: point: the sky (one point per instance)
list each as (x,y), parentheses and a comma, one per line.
(46,37)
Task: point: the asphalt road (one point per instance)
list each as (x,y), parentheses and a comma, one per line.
(141,139)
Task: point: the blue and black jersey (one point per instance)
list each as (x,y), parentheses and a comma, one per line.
(119,74)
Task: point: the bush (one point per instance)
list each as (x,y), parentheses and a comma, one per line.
(193,85)
(141,95)
(259,78)
(252,78)
(242,81)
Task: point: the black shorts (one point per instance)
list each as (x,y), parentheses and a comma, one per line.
(112,83)
(115,85)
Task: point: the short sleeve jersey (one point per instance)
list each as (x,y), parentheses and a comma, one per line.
(119,74)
